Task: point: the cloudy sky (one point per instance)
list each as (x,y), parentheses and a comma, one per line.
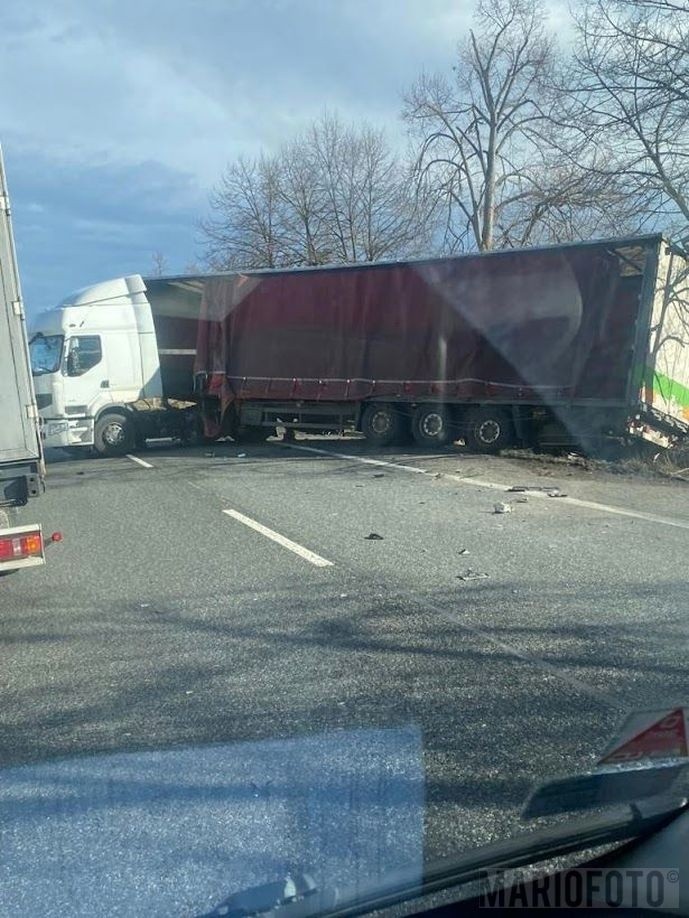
(117,116)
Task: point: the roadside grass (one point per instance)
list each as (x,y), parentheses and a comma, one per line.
(645,460)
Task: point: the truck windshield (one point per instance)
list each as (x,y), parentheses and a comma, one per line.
(46,353)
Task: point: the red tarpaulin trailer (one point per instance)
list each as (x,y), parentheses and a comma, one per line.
(542,326)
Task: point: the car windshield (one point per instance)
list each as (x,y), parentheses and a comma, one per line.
(46,354)
(366,446)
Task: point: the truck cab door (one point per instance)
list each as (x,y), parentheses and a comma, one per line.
(86,384)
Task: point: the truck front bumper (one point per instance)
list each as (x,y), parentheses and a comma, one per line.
(60,432)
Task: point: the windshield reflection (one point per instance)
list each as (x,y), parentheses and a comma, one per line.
(46,354)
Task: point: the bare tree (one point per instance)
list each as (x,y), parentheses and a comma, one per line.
(371,210)
(159,264)
(493,147)
(335,193)
(305,204)
(480,131)
(246,229)
(629,86)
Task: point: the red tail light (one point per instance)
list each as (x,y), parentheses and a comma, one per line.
(17,547)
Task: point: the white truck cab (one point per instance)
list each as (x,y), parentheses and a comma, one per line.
(91,357)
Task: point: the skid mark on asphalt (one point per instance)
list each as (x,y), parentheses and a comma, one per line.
(510,650)
(496,486)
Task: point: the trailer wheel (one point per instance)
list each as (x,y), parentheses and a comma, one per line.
(114,435)
(382,425)
(253,434)
(193,434)
(488,430)
(431,425)
(553,437)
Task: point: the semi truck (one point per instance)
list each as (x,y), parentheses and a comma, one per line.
(22,468)
(565,345)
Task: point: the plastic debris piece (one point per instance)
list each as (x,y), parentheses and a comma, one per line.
(556,493)
(464,551)
(502,508)
(373,537)
(241,455)
(472,575)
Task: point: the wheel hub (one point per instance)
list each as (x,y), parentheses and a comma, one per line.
(433,424)
(380,422)
(488,431)
(113,434)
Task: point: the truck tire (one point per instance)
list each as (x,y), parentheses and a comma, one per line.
(194,433)
(114,435)
(253,434)
(431,425)
(383,425)
(488,430)
(553,437)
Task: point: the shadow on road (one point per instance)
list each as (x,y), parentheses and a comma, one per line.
(209,669)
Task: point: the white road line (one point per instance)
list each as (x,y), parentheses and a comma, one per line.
(146,465)
(310,556)
(496,486)
(329,452)
(578,502)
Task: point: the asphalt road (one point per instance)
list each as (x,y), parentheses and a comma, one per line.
(510,644)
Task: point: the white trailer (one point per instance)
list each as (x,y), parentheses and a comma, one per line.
(21,458)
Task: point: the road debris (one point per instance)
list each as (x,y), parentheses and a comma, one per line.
(472,575)
(502,508)
(379,475)
(549,490)
(521,488)
(373,537)
(463,551)
(209,455)
(241,455)
(438,475)
(522,500)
